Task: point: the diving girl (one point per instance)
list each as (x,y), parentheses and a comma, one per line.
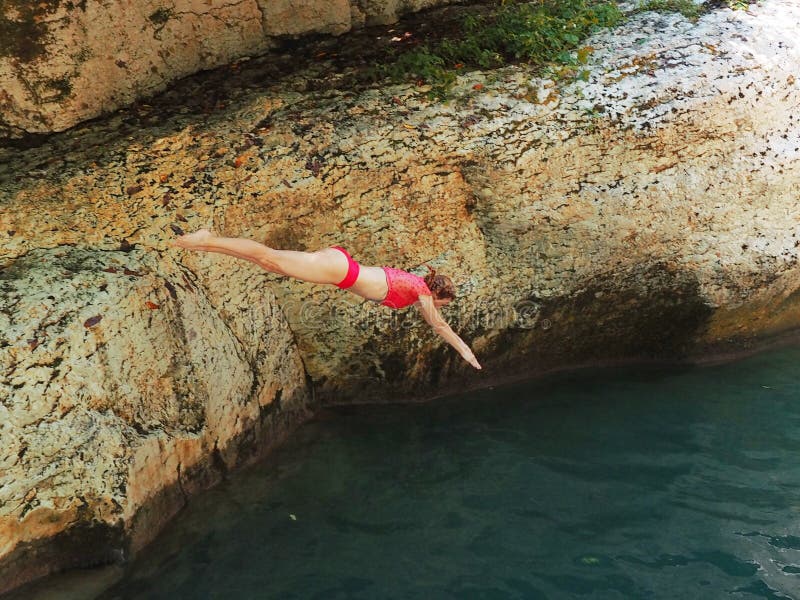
(390,287)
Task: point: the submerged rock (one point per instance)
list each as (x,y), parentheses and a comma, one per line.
(648,213)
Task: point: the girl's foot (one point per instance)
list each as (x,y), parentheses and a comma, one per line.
(193,240)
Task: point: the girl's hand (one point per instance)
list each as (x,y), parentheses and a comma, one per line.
(440,326)
(470,358)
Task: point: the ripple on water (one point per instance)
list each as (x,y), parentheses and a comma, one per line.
(658,483)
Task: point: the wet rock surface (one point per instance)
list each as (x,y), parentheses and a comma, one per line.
(648,213)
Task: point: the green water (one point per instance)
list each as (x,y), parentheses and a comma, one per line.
(628,483)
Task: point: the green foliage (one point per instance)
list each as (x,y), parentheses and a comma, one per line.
(539,33)
(424,66)
(687,8)
(532,32)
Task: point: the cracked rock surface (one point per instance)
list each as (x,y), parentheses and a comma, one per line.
(62,62)
(123,381)
(649,213)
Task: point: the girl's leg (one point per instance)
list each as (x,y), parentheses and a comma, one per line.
(324,266)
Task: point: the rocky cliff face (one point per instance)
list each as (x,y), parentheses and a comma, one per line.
(65,61)
(650,212)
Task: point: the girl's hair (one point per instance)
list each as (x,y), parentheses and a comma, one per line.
(441,286)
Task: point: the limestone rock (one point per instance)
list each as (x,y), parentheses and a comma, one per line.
(383,12)
(650,212)
(64,62)
(296,17)
(122,381)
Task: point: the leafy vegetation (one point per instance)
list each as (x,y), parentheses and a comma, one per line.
(540,33)
(739,4)
(687,8)
(545,33)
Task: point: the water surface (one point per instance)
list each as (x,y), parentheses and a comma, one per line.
(634,483)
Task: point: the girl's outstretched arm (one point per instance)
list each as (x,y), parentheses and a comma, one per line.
(440,326)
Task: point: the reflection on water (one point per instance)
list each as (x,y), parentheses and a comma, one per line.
(616,484)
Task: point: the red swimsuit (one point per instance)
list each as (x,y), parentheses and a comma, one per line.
(404,288)
(352,270)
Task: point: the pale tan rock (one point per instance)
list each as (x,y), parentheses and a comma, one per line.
(124,380)
(99,56)
(296,17)
(63,62)
(648,213)
(383,12)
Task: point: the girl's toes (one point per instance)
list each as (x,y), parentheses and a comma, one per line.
(192,240)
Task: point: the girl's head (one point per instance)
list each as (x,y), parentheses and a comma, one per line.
(441,287)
